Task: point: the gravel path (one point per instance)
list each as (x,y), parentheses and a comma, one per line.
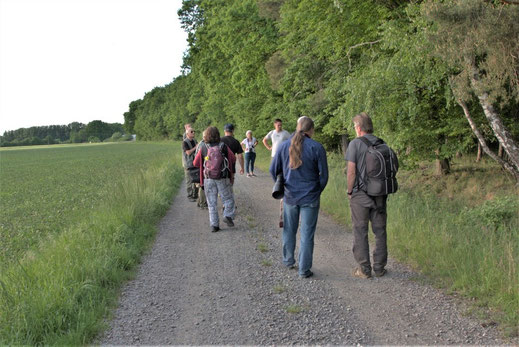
(198,288)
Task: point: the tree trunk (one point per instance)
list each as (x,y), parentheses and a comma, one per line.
(500,131)
(483,143)
(443,167)
(345,140)
(478,158)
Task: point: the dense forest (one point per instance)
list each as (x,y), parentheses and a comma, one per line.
(75,132)
(439,78)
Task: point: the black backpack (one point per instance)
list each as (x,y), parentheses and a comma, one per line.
(381,168)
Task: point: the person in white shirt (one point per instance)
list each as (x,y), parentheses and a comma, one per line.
(276,137)
(249,145)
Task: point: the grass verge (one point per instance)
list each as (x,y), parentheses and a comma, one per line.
(62,290)
(461,230)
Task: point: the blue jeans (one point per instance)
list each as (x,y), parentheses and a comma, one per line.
(291,213)
(250,158)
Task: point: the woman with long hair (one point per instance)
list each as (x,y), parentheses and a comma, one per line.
(302,163)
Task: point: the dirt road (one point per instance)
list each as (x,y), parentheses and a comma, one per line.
(198,287)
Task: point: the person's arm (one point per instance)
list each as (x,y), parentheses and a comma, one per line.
(189,151)
(242,165)
(322,164)
(276,166)
(351,177)
(255,143)
(267,137)
(198,159)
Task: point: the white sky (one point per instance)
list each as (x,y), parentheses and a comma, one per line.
(81,60)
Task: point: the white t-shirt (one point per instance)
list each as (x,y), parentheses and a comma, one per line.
(277,138)
(249,145)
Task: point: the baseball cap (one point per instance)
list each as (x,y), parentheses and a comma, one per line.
(228,127)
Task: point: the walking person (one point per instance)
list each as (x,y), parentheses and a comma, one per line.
(302,162)
(276,137)
(249,146)
(365,208)
(201,201)
(188,155)
(214,159)
(234,145)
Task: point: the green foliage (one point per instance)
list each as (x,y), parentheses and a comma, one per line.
(493,213)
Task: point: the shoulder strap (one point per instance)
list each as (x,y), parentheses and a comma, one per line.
(368,142)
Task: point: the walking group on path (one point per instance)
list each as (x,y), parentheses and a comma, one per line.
(301,164)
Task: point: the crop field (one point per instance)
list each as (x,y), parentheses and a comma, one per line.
(74,221)
(44,190)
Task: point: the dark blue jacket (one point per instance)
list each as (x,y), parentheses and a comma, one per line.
(304,184)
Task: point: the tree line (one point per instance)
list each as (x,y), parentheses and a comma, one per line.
(439,78)
(75,132)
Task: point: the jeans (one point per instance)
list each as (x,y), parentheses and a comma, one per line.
(250,158)
(223,187)
(363,210)
(291,213)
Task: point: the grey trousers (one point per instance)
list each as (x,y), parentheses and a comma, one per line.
(192,191)
(363,210)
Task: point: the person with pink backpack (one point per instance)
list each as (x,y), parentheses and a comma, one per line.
(214,159)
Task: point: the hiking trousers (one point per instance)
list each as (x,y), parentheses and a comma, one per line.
(365,209)
(223,187)
(192,192)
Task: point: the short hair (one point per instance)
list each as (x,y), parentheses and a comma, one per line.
(363,120)
(187,125)
(277,120)
(248,131)
(212,135)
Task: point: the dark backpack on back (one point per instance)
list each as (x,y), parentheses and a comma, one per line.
(216,165)
(381,168)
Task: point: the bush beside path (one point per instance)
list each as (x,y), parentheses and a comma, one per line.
(198,287)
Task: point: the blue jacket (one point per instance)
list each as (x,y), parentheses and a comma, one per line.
(304,184)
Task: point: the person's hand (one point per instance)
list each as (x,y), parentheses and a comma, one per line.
(349,196)
(241,171)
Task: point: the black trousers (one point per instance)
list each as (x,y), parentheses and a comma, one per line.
(365,209)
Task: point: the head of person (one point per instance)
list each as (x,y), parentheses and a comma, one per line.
(228,129)
(187,125)
(211,135)
(190,133)
(278,124)
(362,124)
(248,134)
(305,127)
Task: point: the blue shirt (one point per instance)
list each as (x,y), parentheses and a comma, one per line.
(304,184)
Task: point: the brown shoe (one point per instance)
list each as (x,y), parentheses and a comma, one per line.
(360,274)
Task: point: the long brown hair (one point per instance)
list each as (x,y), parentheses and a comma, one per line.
(211,135)
(296,144)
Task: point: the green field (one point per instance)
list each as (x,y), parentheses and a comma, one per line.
(74,222)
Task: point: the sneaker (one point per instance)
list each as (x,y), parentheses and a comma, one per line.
(380,273)
(306,275)
(360,274)
(192,200)
(292,267)
(215,229)
(252,175)
(228,221)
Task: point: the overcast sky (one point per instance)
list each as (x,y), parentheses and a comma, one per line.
(81,60)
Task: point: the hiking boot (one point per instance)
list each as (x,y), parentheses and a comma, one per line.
(380,273)
(307,274)
(292,267)
(215,229)
(228,221)
(360,274)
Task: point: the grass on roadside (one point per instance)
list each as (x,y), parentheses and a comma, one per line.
(460,230)
(61,291)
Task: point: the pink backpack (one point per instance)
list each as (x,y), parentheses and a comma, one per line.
(215,163)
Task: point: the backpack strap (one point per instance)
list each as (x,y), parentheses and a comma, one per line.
(368,142)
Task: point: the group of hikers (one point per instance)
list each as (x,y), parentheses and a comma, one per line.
(301,164)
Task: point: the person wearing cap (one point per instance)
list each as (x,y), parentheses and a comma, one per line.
(249,146)
(234,145)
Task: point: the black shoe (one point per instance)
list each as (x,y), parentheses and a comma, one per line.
(380,273)
(215,229)
(306,275)
(228,221)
